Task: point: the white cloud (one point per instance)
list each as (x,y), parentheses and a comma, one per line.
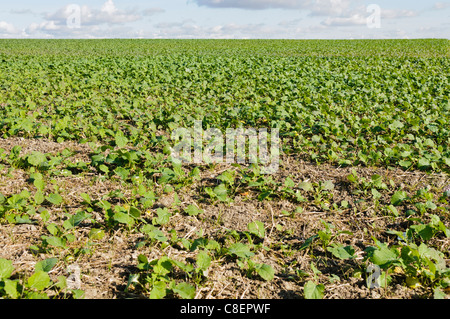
(395,14)
(316,7)
(106,21)
(108,14)
(6,27)
(356,19)
(329,7)
(152,11)
(441,5)
(252,4)
(190,29)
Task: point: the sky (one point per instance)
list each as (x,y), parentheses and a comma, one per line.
(226,19)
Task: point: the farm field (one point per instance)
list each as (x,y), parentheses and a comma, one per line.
(93,206)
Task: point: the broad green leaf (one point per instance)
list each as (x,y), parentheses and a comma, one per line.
(11,288)
(313,290)
(256,228)
(121,140)
(123,173)
(78,294)
(203,260)
(265,271)
(221,192)
(6,268)
(158,290)
(96,234)
(39,280)
(341,252)
(424,231)
(327,185)
(383,255)
(55,241)
(55,199)
(240,250)
(163,216)
(123,218)
(306,186)
(226,177)
(185,290)
(398,198)
(36,158)
(154,233)
(193,210)
(46,265)
(39,197)
(39,184)
(289,182)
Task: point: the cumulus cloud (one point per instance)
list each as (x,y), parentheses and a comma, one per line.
(6,27)
(441,5)
(190,29)
(107,14)
(75,21)
(316,7)
(356,19)
(252,4)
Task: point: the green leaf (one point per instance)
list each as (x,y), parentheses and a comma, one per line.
(123,173)
(423,163)
(55,199)
(226,177)
(405,164)
(39,184)
(424,231)
(398,198)
(240,250)
(77,294)
(120,140)
(153,232)
(163,216)
(6,268)
(96,234)
(55,241)
(163,266)
(383,255)
(256,228)
(203,260)
(46,265)
(341,252)
(327,185)
(306,186)
(265,271)
(221,192)
(86,198)
(36,158)
(313,290)
(123,218)
(39,197)
(11,288)
(308,242)
(193,210)
(438,293)
(158,290)
(395,125)
(289,183)
(185,290)
(39,280)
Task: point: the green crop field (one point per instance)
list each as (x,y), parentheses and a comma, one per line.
(92,204)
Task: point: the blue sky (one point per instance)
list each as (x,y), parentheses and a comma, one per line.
(289,19)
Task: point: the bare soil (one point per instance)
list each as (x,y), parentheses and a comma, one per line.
(105,271)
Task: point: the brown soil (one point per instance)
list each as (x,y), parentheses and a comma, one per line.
(104,272)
